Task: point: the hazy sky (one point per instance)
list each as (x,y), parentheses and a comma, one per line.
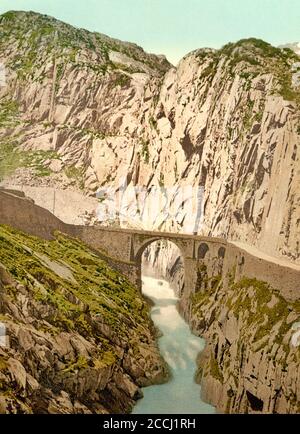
(175,27)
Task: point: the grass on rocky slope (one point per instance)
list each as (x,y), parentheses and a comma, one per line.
(13,157)
(260,312)
(260,309)
(47,36)
(252,57)
(259,322)
(96,287)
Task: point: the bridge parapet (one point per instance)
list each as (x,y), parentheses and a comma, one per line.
(113,243)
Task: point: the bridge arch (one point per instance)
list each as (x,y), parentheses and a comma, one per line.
(241,263)
(202,250)
(174,271)
(148,242)
(221,252)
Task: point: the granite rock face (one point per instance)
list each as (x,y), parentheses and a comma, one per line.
(251,360)
(88,111)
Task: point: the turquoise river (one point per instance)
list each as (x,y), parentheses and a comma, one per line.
(179,347)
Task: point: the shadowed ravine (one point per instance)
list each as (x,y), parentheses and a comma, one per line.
(179,347)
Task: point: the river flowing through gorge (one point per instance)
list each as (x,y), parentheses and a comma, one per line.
(179,347)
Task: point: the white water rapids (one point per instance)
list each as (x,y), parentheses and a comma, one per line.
(179,347)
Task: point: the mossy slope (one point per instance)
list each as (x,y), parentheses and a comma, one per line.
(78,330)
(249,328)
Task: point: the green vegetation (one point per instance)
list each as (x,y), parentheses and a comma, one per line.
(251,57)
(258,116)
(145,150)
(120,68)
(261,321)
(206,286)
(59,73)
(257,311)
(107,358)
(9,118)
(161,181)
(9,113)
(99,291)
(77,174)
(84,131)
(36,160)
(261,47)
(261,306)
(80,363)
(210,70)
(49,37)
(8,16)
(274,60)
(248,115)
(123,80)
(9,159)
(153,123)
(12,158)
(284,78)
(215,370)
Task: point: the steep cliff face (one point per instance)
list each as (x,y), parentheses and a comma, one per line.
(88,111)
(251,361)
(77,337)
(64,99)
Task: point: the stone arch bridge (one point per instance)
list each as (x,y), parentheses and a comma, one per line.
(126,246)
(206,259)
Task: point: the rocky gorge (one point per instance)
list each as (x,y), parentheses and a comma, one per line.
(81,112)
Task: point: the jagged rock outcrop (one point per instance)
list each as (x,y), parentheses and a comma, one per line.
(88,111)
(78,336)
